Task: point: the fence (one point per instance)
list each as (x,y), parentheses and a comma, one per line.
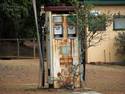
(18,48)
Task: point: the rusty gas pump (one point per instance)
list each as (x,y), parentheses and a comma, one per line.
(62,67)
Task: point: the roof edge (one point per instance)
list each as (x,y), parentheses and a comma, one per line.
(100,2)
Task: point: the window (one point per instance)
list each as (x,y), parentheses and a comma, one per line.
(119,23)
(97,23)
(58,27)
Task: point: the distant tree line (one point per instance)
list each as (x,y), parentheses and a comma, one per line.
(17,19)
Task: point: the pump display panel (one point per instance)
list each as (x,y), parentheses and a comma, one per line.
(57,28)
(71,29)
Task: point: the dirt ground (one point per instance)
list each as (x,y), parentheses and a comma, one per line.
(22,77)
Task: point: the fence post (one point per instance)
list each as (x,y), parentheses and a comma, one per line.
(34,48)
(109,57)
(18,48)
(104,56)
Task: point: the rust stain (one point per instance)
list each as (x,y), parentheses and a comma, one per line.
(65,26)
(66,60)
(70,46)
(61,47)
(65,40)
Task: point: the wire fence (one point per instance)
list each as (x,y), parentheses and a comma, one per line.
(18,48)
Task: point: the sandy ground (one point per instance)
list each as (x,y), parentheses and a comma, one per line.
(22,77)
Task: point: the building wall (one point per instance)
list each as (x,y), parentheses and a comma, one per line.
(106,49)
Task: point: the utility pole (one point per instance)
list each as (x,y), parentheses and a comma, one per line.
(41,85)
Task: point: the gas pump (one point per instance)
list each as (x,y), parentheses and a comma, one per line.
(62,66)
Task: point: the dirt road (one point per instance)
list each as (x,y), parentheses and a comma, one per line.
(109,79)
(22,77)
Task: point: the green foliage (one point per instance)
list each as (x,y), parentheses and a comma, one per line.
(90,23)
(16,19)
(97,23)
(14,9)
(120,43)
(72,19)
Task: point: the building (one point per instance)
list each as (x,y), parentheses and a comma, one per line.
(106,50)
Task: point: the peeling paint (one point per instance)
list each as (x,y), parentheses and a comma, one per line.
(65,53)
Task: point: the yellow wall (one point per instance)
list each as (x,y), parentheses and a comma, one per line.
(106,50)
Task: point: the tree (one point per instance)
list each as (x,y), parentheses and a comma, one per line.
(90,27)
(16,19)
(120,46)
(120,43)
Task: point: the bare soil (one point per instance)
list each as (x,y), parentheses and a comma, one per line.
(22,77)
